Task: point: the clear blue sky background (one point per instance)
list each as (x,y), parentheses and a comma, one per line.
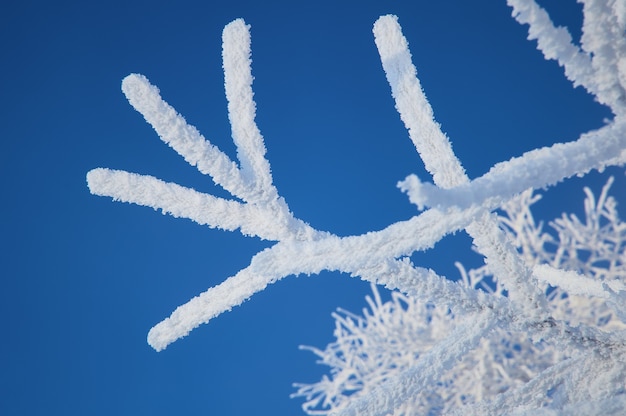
(84,279)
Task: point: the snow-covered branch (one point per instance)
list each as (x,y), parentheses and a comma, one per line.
(267,214)
(435,150)
(536,169)
(599,64)
(549,319)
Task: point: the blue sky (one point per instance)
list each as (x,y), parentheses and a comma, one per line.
(85,278)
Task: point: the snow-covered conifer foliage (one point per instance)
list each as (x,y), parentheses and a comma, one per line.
(547,335)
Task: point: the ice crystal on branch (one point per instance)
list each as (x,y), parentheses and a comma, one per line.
(432,348)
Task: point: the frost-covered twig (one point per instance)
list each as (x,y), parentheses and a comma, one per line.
(251,182)
(415,111)
(536,169)
(369,256)
(600,63)
(575,283)
(587,377)
(435,150)
(390,394)
(183,202)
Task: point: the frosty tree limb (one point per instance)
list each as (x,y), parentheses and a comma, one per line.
(555,43)
(241,109)
(457,203)
(430,142)
(603,38)
(182,202)
(354,255)
(600,66)
(185,139)
(252,182)
(535,169)
(435,150)
(577,284)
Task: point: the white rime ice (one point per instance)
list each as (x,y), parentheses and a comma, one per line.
(546,336)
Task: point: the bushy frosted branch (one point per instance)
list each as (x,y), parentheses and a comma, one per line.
(508,357)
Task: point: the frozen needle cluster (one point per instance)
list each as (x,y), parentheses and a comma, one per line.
(548,338)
